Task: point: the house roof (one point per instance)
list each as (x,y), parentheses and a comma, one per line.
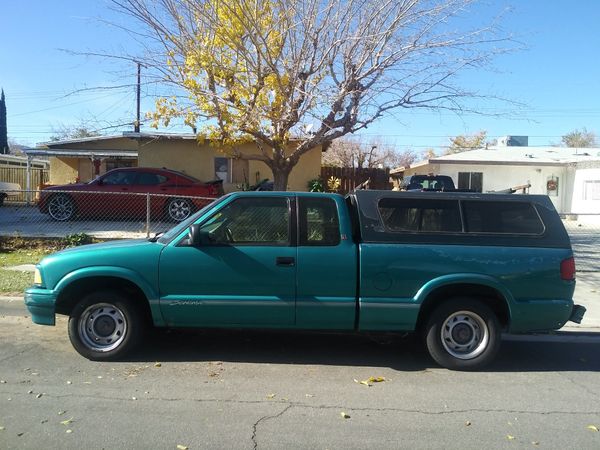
(125,134)
(82,153)
(515,156)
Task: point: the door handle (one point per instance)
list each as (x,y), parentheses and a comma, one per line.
(286,261)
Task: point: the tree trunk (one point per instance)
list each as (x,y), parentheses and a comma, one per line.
(280,178)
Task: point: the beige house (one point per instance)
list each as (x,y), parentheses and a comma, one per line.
(84,159)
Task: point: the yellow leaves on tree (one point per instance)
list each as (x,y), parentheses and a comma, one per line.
(228,69)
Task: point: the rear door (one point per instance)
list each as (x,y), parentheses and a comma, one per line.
(327,265)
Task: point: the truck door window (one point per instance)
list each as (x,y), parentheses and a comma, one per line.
(251,221)
(319,224)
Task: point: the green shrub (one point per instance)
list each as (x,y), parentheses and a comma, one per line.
(77,239)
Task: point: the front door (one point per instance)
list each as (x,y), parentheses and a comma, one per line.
(244,272)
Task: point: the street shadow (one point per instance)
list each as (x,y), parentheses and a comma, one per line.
(403,353)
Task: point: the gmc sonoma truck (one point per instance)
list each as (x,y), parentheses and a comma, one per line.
(457,268)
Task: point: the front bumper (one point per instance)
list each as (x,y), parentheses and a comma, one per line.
(41,303)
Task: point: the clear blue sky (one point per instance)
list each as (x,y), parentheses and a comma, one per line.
(557,76)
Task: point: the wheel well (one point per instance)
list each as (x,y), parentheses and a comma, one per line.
(489,296)
(75,291)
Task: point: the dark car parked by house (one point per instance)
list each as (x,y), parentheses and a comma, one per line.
(124,193)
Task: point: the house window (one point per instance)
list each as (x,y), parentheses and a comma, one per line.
(118,163)
(222,171)
(591,190)
(470,180)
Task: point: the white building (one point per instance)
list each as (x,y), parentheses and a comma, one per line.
(570,176)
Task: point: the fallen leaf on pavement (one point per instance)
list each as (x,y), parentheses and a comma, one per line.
(270,395)
(369,381)
(344,415)
(157,364)
(182,447)
(535,443)
(67,422)
(69,431)
(592,428)
(60,413)
(468,423)
(509,437)
(376,379)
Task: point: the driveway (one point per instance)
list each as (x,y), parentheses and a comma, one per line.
(27,221)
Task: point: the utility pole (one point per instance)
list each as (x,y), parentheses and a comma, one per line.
(137,117)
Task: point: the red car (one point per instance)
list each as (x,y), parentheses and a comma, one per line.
(122,193)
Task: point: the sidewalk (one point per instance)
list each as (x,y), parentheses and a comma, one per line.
(587,293)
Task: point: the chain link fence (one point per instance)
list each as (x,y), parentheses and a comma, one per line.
(114,215)
(104,215)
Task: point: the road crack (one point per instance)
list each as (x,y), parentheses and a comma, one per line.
(264,419)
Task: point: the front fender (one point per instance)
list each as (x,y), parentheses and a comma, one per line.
(146,287)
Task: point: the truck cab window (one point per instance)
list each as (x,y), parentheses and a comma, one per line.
(319,225)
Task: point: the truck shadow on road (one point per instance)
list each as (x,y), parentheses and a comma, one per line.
(404,353)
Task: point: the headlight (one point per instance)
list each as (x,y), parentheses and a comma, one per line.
(37,277)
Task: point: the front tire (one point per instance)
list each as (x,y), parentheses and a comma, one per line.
(463,334)
(106,325)
(61,207)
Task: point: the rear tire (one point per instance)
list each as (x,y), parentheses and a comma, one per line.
(179,209)
(463,334)
(106,326)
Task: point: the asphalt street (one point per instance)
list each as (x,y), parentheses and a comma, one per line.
(273,390)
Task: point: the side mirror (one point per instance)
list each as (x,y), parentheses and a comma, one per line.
(194,234)
(197,237)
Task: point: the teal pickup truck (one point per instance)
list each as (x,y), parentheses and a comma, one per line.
(458,268)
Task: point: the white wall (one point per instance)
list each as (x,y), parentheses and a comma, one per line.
(579,205)
(500,177)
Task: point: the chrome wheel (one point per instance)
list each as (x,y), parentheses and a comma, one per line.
(61,207)
(179,209)
(102,327)
(464,335)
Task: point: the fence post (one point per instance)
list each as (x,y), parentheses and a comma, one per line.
(28,181)
(147,214)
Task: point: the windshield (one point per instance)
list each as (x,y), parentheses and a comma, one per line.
(177,229)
